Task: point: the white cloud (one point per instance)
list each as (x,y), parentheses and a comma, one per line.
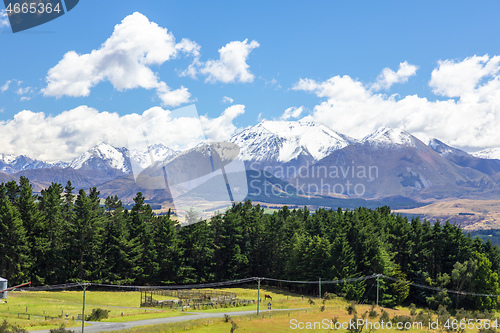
(459,78)
(6,86)
(4,19)
(124,60)
(228,100)
(230,67)
(470,121)
(273,83)
(292,112)
(388,77)
(71,133)
(221,128)
(24,91)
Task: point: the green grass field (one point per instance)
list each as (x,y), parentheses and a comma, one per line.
(32,310)
(124,306)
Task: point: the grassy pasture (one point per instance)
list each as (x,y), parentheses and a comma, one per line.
(124,306)
(279,321)
(57,304)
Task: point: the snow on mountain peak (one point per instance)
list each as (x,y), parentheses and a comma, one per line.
(285,140)
(154,153)
(102,156)
(444,150)
(490,153)
(390,136)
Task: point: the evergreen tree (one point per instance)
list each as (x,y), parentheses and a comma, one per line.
(52,238)
(141,235)
(14,251)
(197,253)
(344,267)
(87,237)
(119,251)
(167,250)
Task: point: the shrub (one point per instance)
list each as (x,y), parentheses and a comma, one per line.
(355,328)
(401,319)
(233,326)
(97,315)
(61,329)
(328,295)
(413,310)
(351,308)
(424,318)
(373,313)
(5,327)
(384,317)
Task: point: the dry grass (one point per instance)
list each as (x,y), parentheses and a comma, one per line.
(486,213)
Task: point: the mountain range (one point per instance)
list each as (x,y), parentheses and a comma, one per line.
(308,158)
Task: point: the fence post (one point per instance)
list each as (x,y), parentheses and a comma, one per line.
(320,288)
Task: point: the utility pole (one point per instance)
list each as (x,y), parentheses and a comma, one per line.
(258,295)
(377,287)
(320,288)
(84,286)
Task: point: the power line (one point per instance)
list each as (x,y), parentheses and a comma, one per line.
(253,279)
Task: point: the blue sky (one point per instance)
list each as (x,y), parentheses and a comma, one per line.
(428,67)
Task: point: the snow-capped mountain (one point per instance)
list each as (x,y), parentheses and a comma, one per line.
(386,136)
(155,153)
(283,141)
(104,156)
(464,159)
(12,163)
(490,153)
(445,150)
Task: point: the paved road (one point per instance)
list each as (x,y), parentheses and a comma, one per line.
(102,327)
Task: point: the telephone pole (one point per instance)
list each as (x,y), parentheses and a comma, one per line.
(258,295)
(84,286)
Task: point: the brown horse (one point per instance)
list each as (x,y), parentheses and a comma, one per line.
(268,296)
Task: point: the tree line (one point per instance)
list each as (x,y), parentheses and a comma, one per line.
(59,237)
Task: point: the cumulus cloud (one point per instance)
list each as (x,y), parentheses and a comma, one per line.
(73,132)
(388,77)
(231,67)
(292,112)
(469,121)
(228,100)
(221,128)
(125,60)
(461,78)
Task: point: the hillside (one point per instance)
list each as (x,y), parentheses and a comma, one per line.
(471,215)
